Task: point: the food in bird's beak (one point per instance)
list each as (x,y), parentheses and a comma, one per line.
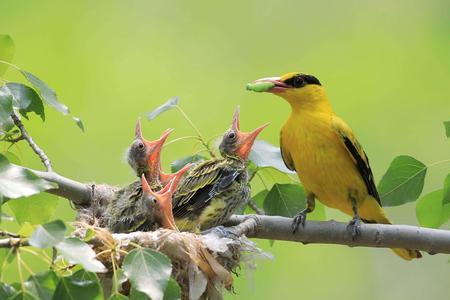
(260,87)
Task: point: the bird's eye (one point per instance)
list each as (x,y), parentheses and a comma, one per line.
(297,81)
(154,200)
(141,145)
(231,135)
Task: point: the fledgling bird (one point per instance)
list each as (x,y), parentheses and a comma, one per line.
(325,153)
(128,211)
(144,157)
(212,191)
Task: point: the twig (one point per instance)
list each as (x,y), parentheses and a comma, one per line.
(24,133)
(9,234)
(254,206)
(332,232)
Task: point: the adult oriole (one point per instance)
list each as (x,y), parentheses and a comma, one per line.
(325,153)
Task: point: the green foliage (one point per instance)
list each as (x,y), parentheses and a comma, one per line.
(18,182)
(48,235)
(148,271)
(173,291)
(430,211)
(75,251)
(446,191)
(6,291)
(447,128)
(25,99)
(42,285)
(171,103)
(287,200)
(6,51)
(403,181)
(6,107)
(36,209)
(180,163)
(81,285)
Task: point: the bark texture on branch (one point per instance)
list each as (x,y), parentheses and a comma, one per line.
(332,232)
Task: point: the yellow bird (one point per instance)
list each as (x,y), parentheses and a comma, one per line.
(325,153)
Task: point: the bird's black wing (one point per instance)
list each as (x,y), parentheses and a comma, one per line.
(358,155)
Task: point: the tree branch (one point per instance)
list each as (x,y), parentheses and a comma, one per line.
(24,135)
(332,232)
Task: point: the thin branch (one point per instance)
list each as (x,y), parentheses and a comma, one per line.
(24,133)
(332,232)
(255,208)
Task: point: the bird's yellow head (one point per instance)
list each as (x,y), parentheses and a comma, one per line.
(299,89)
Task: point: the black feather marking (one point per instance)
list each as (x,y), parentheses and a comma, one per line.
(363,168)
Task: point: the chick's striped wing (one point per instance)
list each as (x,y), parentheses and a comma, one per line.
(196,191)
(357,154)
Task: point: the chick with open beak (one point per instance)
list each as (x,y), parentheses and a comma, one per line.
(215,188)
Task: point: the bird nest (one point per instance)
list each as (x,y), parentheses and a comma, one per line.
(202,264)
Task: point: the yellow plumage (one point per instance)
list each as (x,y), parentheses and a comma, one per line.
(327,157)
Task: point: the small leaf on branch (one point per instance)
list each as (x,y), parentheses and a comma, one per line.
(25,99)
(6,291)
(6,107)
(176,165)
(24,209)
(264,154)
(6,217)
(42,285)
(289,199)
(12,158)
(6,51)
(173,291)
(81,285)
(148,271)
(79,123)
(18,182)
(447,128)
(46,93)
(118,296)
(171,103)
(430,211)
(48,235)
(75,251)
(446,190)
(403,181)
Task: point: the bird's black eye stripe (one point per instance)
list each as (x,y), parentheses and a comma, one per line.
(300,80)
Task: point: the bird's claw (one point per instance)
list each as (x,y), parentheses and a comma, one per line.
(299,219)
(354,227)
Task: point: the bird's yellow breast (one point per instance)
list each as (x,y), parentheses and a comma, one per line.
(323,165)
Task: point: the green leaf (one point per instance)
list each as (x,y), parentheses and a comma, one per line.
(79,123)
(6,51)
(446,190)
(12,158)
(289,199)
(42,285)
(171,103)
(258,199)
(26,99)
(118,296)
(23,295)
(403,181)
(36,209)
(447,128)
(48,235)
(6,290)
(75,251)
(6,217)
(173,290)
(81,285)
(148,271)
(264,154)
(180,163)
(6,107)
(46,93)
(136,295)
(18,182)
(430,212)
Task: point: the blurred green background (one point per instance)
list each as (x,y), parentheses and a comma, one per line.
(385,64)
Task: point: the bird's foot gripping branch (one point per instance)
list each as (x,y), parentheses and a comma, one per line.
(90,259)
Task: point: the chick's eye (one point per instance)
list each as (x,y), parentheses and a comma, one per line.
(231,135)
(141,146)
(154,200)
